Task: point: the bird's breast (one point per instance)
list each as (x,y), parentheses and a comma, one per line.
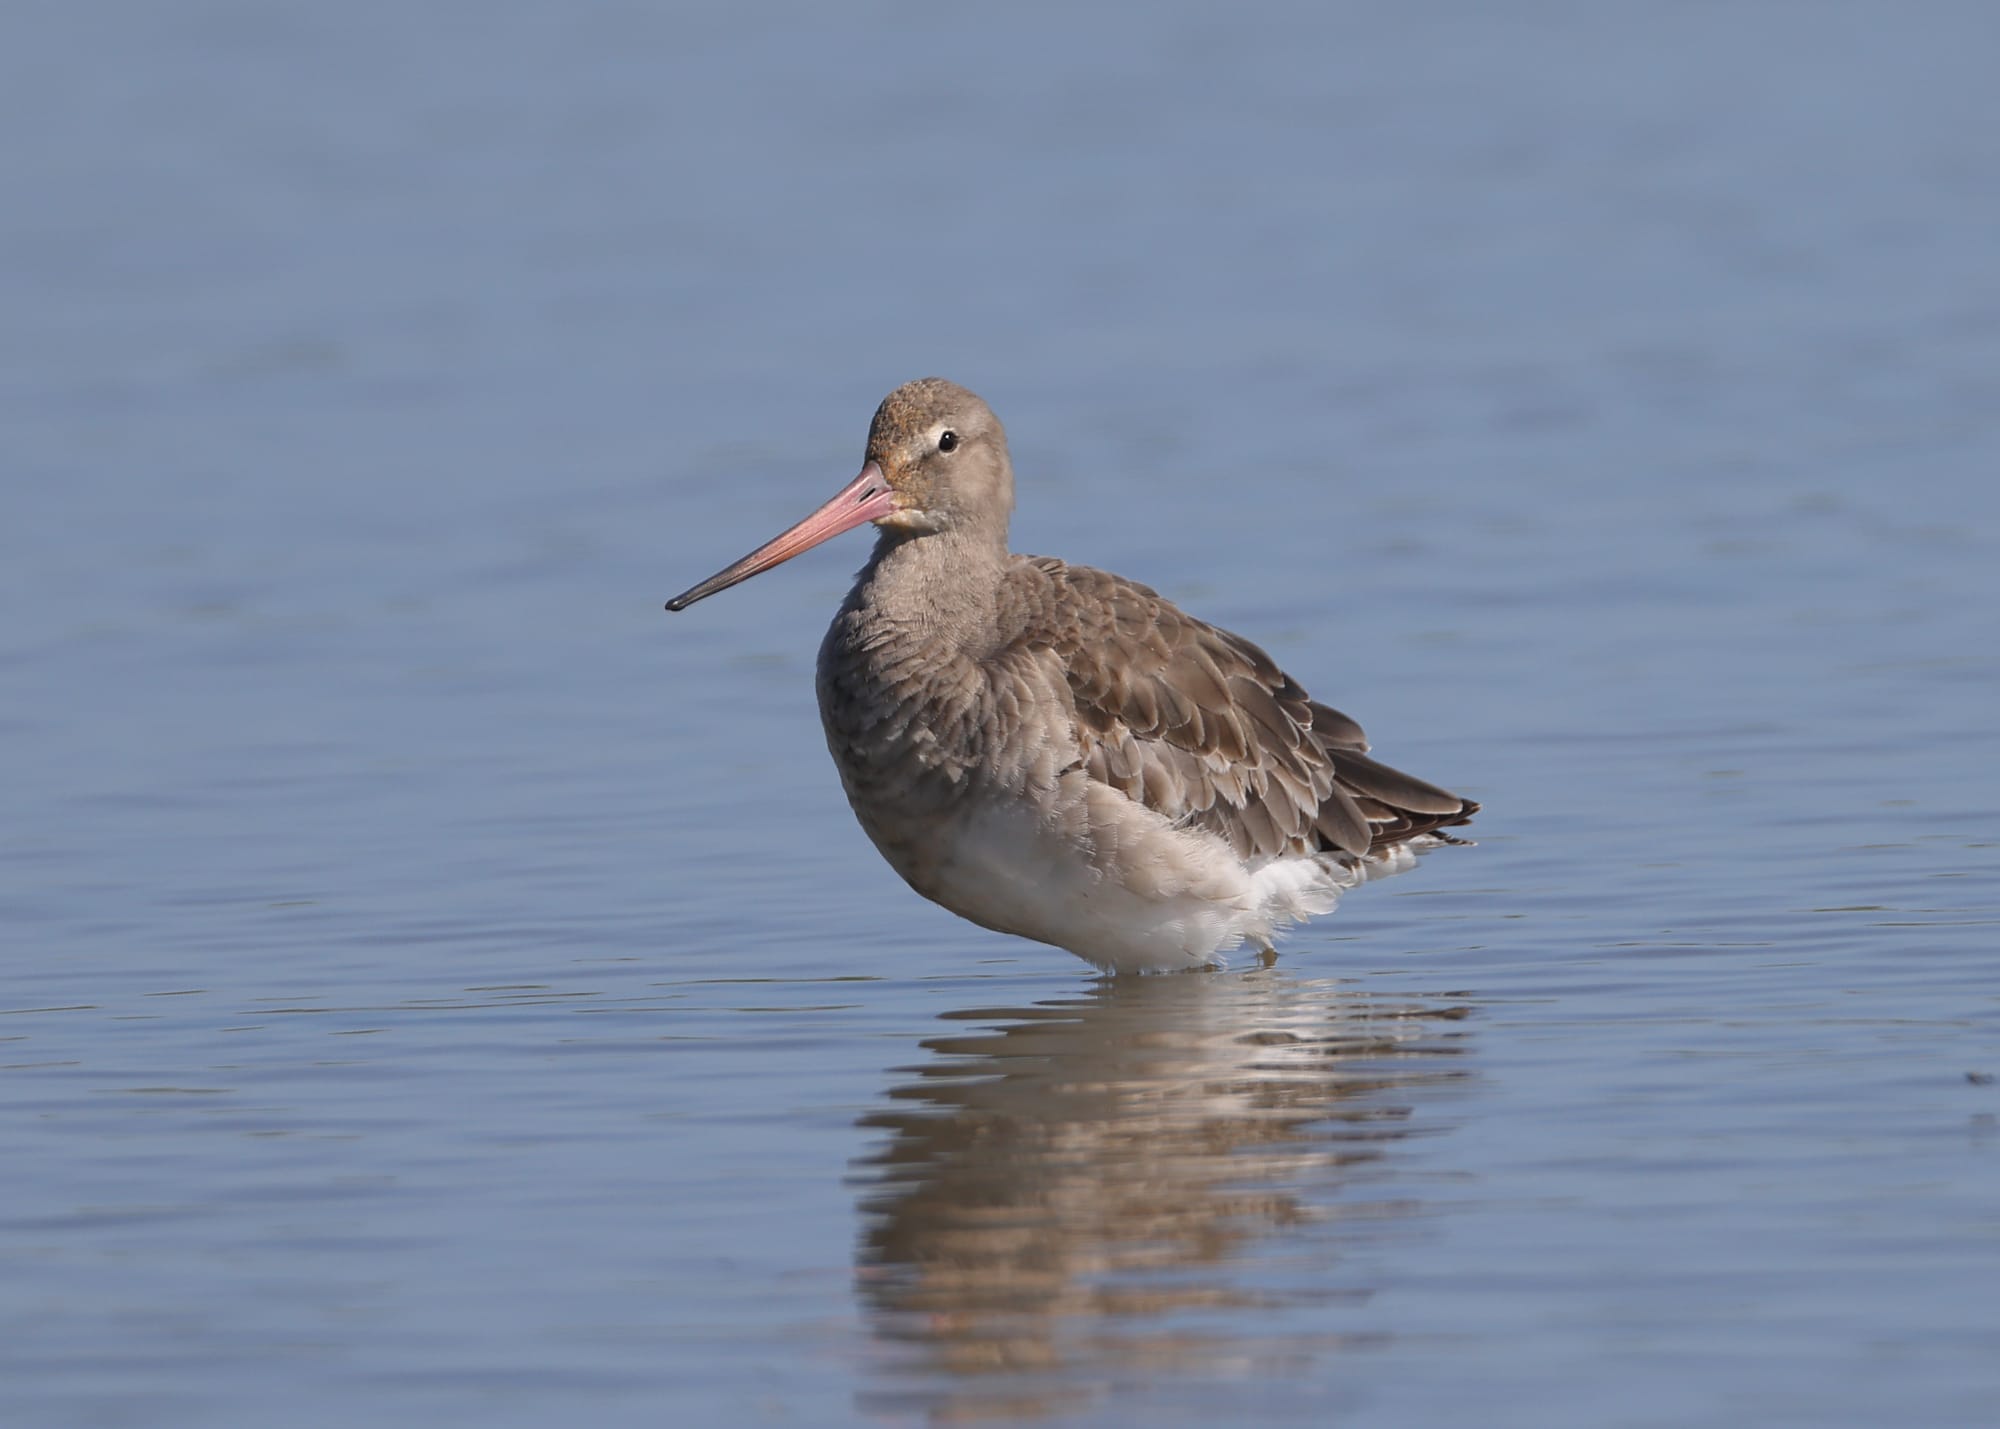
(905,725)
(926,737)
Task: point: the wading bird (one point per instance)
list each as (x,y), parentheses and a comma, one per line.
(1060,753)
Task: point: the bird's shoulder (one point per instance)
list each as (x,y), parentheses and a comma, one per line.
(1128,650)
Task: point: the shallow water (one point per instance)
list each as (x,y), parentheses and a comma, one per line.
(439,985)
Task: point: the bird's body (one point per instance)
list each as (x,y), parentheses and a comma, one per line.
(1056,752)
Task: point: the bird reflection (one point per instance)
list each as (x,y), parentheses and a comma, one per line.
(1106,1182)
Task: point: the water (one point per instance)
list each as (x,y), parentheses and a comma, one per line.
(441,987)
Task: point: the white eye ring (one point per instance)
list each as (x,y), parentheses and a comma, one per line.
(947,440)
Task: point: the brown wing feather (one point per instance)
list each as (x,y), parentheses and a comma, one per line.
(1202,726)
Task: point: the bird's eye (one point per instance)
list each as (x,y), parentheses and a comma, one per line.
(947,441)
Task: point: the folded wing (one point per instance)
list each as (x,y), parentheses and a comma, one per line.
(1203,727)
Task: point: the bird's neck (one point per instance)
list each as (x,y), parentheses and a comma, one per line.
(939,586)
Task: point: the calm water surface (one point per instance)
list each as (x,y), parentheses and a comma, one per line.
(439,987)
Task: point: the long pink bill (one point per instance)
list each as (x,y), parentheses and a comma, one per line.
(868,497)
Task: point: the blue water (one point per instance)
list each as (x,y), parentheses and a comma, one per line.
(439,987)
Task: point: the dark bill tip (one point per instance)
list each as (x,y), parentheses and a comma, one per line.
(864,499)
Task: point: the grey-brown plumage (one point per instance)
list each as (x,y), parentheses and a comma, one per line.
(1058,752)
(1201,725)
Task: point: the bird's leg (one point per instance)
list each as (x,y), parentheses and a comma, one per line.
(1267,956)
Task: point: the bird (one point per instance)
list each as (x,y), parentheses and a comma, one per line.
(1062,754)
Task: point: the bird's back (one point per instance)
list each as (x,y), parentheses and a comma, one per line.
(1202,726)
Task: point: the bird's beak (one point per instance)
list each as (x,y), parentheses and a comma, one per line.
(868,497)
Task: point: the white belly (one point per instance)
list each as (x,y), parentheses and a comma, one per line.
(1117,884)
